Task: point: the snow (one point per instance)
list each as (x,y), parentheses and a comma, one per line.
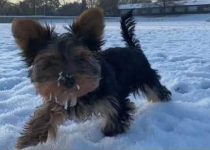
(179,49)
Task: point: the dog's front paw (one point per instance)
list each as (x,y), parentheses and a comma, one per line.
(43,125)
(29,139)
(36,130)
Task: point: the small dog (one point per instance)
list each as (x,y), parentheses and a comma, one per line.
(76,79)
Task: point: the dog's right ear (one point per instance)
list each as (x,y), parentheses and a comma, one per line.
(89,27)
(31,37)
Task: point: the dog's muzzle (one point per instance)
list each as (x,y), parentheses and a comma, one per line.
(66,79)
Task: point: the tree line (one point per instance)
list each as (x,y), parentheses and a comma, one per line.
(63,8)
(56,7)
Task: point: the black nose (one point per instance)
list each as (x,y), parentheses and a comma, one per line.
(66,80)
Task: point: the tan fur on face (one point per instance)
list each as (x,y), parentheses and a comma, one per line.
(87,84)
(151,94)
(51,91)
(91,22)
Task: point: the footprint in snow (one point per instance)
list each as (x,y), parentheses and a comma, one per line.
(205,85)
(182,88)
(161,55)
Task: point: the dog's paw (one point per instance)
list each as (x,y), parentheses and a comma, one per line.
(114,129)
(29,140)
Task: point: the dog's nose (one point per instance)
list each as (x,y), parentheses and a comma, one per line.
(70,81)
(66,79)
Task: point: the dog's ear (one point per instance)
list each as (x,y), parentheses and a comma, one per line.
(31,37)
(89,26)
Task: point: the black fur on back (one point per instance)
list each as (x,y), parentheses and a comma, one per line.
(124,71)
(127,30)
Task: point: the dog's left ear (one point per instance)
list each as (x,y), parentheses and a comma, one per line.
(31,37)
(89,27)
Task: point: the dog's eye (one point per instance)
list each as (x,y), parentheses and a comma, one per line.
(80,60)
(48,65)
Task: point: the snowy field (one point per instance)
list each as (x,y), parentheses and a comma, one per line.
(179,49)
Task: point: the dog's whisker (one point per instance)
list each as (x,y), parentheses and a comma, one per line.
(78,87)
(50,96)
(66,104)
(73,101)
(58,83)
(56,99)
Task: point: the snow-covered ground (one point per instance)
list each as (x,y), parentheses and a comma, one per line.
(180,50)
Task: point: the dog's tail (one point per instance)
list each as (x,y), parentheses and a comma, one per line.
(127,30)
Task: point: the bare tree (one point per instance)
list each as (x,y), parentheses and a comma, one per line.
(167,3)
(110,6)
(91,3)
(39,7)
(84,5)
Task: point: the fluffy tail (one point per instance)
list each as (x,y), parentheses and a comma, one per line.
(127,30)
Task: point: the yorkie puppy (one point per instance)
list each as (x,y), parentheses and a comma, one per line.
(77,79)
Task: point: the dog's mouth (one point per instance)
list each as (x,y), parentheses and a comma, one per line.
(70,102)
(67,96)
(51,91)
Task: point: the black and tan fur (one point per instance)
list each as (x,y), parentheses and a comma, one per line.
(77,79)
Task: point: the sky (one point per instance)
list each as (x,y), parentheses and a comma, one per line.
(16,1)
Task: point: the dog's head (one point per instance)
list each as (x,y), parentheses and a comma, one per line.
(62,67)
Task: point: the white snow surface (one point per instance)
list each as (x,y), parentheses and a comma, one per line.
(179,50)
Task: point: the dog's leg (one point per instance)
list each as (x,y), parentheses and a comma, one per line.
(154,90)
(43,125)
(157,93)
(117,115)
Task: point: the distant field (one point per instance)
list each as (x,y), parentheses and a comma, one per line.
(65,19)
